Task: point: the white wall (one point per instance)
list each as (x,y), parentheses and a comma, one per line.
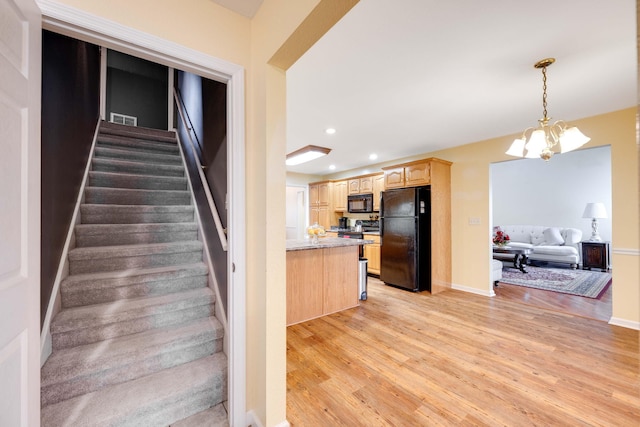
(553,193)
(296,212)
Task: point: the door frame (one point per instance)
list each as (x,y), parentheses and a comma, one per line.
(75,23)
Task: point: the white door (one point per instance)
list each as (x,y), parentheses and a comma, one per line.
(20,76)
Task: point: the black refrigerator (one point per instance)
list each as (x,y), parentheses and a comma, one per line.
(405,235)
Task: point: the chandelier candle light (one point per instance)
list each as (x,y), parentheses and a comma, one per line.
(539,141)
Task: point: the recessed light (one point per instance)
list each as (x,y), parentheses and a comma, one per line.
(332,167)
(373,156)
(330,131)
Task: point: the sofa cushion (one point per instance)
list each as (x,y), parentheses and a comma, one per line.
(571,236)
(552,237)
(555,250)
(520,245)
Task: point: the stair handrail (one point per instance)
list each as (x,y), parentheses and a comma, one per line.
(180,102)
(222,232)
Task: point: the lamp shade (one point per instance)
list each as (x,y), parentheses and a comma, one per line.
(536,144)
(517,148)
(572,138)
(595,210)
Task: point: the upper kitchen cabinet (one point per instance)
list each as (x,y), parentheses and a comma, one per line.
(320,193)
(321,203)
(340,192)
(411,174)
(378,187)
(362,185)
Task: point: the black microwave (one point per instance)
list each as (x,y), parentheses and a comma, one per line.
(360,203)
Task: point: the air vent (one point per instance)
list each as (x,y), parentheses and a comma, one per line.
(124,119)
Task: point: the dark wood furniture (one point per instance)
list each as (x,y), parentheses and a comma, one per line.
(595,255)
(520,255)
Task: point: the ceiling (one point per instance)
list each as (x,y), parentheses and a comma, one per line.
(431,74)
(246,8)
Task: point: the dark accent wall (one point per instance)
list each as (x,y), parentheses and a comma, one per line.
(137,88)
(206,102)
(70,113)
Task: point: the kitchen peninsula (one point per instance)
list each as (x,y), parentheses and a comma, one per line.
(322,278)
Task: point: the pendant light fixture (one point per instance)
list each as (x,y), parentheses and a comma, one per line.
(539,141)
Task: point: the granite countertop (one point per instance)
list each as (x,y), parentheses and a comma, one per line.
(324,242)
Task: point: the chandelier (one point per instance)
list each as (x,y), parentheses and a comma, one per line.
(539,141)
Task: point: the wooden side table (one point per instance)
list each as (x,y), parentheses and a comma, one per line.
(595,255)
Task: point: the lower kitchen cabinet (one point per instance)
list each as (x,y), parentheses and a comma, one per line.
(372,254)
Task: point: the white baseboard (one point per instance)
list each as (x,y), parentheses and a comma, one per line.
(254,421)
(624,323)
(483,292)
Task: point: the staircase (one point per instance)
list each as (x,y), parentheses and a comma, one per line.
(136,342)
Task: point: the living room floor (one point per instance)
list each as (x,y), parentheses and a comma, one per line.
(599,309)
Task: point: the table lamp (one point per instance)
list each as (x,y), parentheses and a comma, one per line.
(594,211)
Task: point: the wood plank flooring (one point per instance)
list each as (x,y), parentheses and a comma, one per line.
(406,359)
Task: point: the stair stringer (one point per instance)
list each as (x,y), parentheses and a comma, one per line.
(55,300)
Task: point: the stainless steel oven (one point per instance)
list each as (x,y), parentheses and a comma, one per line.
(360,203)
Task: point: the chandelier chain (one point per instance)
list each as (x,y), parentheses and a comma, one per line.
(544,92)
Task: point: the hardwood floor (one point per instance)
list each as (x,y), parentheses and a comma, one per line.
(599,309)
(406,359)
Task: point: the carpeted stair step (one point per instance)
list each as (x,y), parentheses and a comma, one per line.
(124,257)
(119,129)
(158,146)
(143,182)
(159,399)
(213,417)
(134,234)
(135,214)
(79,370)
(128,196)
(140,156)
(88,324)
(136,167)
(97,288)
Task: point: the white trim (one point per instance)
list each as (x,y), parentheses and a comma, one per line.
(626,251)
(463,288)
(103,83)
(45,334)
(624,323)
(254,421)
(81,25)
(170,124)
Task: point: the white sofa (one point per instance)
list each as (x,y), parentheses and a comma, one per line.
(553,244)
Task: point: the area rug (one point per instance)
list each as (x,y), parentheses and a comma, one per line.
(591,284)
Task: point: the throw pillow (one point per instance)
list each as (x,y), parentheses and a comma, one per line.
(552,237)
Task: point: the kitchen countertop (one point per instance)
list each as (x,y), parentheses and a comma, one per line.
(324,242)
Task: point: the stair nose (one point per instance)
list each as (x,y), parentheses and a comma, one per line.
(135,214)
(132,234)
(122,196)
(123,257)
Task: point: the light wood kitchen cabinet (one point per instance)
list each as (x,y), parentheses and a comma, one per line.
(320,215)
(340,196)
(320,282)
(413,174)
(320,193)
(378,187)
(372,254)
(320,201)
(362,185)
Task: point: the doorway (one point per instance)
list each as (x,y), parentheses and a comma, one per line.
(554,194)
